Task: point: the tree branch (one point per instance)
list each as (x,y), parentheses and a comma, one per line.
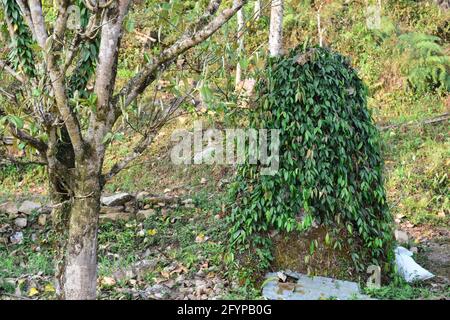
(27,15)
(14,160)
(25,137)
(4,66)
(56,77)
(37,18)
(190,39)
(159,120)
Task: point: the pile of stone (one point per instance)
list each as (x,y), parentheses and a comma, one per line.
(23,215)
(125,206)
(116,207)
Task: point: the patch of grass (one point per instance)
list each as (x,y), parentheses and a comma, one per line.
(417,172)
(406,292)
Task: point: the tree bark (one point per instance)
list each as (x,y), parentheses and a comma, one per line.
(276,28)
(80,267)
(257,10)
(240,34)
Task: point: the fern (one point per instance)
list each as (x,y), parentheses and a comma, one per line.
(427,66)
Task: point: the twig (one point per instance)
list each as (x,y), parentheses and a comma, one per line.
(437,119)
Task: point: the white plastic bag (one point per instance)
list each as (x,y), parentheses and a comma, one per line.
(408,268)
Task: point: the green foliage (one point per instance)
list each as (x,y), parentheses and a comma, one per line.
(87,58)
(330,161)
(427,65)
(404,291)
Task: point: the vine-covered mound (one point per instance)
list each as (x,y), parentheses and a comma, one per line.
(330,165)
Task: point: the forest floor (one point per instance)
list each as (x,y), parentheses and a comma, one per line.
(178,252)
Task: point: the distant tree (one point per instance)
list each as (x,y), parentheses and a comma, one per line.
(276,28)
(257,10)
(240,35)
(65,105)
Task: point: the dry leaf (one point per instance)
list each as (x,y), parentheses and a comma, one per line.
(49,288)
(33,291)
(108,281)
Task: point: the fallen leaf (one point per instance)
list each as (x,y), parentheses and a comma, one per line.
(49,288)
(180,269)
(108,281)
(201,238)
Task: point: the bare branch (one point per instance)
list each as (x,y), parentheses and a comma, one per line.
(158,121)
(36,143)
(142,145)
(440,118)
(13,160)
(190,39)
(56,76)
(61,20)
(108,52)
(26,15)
(38,22)
(4,66)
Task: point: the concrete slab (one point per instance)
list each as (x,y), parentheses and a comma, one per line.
(303,287)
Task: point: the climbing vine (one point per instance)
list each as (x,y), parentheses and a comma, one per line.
(21,53)
(330,170)
(88,56)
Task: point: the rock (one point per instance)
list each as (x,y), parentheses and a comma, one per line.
(187,201)
(140,197)
(203,180)
(144,214)
(310,288)
(21,222)
(45,210)
(16,238)
(9,208)
(157,291)
(130,207)
(117,209)
(42,219)
(401,236)
(116,199)
(28,207)
(115,216)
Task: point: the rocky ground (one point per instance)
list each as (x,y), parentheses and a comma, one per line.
(150,247)
(160,246)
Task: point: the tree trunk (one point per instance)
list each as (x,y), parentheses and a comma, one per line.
(80,276)
(257,10)
(76,223)
(276,28)
(240,34)
(80,268)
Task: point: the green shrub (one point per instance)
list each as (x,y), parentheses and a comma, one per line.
(330,163)
(426,66)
